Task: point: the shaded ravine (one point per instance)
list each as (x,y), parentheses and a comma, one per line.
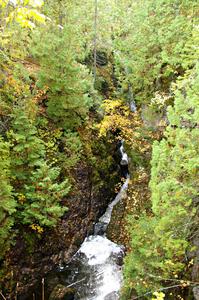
(95,270)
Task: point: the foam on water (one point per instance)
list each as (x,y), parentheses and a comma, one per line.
(97,264)
(101,260)
(102,254)
(98,249)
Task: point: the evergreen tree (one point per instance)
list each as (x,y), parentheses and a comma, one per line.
(150,44)
(27,152)
(43,195)
(36,184)
(7,202)
(67,80)
(159,240)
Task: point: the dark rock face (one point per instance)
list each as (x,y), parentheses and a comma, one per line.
(102,59)
(86,203)
(195,254)
(195,268)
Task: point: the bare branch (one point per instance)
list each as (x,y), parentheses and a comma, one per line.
(2,296)
(74,283)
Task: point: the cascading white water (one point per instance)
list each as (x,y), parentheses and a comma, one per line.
(102,225)
(102,256)
(96,267)
(124,160)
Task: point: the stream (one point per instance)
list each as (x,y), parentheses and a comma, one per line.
(95,271)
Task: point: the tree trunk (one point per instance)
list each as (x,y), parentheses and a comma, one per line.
(95,41)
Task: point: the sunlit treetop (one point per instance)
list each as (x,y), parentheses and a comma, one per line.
(25,13)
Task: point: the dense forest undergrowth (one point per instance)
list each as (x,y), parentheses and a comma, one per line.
(76,77)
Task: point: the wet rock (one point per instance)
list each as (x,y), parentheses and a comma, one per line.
(119,257)
(196,292)
(61,292)
(112,296)
(100,228)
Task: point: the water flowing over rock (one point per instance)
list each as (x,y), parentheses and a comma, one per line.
(95,270)
(133,106)
(124,161)
(124,157)
(102,225)
(100,265)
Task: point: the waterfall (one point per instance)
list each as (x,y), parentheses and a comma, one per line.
(101,226)
(124,160)
(96,267)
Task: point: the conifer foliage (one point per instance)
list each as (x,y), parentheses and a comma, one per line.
(160,239)
(67,80)
(33,182)
(7,202)
(145,52)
